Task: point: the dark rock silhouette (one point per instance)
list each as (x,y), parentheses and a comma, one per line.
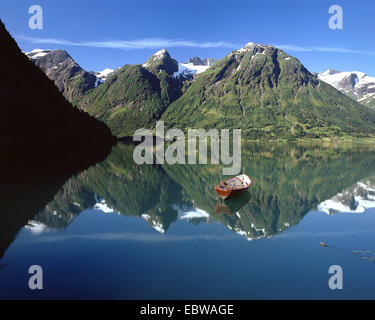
(33,109)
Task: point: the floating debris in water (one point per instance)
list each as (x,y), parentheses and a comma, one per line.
(365,255)
(362,254)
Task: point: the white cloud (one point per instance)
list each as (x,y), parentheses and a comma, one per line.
(323,49)
(150,43)
(155,43)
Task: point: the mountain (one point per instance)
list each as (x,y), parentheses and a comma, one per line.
(33,109)
(268,94)
(258,88)
(135,96)
(355,84)
(161,61)
(72,81)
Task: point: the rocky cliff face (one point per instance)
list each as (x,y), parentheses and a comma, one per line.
(196,61)
(72,81)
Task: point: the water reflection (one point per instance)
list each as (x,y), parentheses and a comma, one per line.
(355,199)
(30,178)
(232,205)
(288,181)
(176,224)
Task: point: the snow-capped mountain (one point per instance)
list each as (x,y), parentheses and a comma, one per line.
(72,80)
(161,61)
(196,65)
(356,199)
(104,74)
(355,84)
(37,53)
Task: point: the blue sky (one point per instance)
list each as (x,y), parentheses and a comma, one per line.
(101,34)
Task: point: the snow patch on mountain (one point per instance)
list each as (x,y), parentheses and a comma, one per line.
(189,70)
(104,74)
(251,46)
(356,84)
(37,53)
(160,54)
(102,205)
(195,66)
(156,56)
(194,69)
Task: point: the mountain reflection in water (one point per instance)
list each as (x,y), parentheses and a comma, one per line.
(31,177)
(288,181)
(64,211)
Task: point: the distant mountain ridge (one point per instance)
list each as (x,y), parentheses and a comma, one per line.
(258,88)
(355,84)
(74,82)
(202,62)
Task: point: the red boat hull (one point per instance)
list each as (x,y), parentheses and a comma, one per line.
(229,192)
(233,186)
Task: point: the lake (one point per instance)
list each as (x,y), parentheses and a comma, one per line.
(117,230)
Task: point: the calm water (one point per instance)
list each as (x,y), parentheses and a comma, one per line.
(122,231)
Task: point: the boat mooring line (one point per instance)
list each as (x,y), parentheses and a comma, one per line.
(363,254)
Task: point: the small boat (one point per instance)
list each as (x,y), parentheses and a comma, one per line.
(233,186)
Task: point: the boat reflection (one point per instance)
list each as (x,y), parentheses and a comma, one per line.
(232,205)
